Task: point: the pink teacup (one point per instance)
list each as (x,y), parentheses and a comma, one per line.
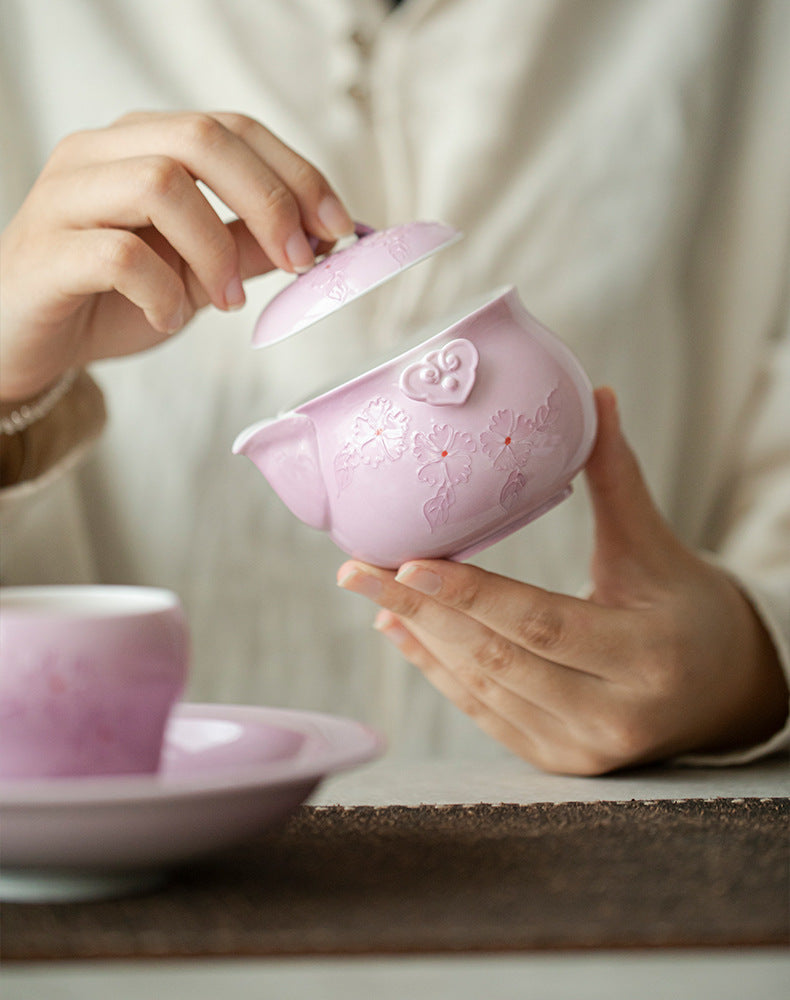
(441,451)
(88,677)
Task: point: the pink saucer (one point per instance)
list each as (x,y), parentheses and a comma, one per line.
(228,772)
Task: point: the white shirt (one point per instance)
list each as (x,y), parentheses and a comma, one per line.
(625,165)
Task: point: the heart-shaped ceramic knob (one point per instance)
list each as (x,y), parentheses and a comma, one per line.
(444,377)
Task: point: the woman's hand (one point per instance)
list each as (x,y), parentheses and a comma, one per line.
(116,246)
(666,657)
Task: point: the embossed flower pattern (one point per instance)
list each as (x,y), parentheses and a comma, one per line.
(379,432)
(445,457)
(394,243)
(329,279)
(508,440)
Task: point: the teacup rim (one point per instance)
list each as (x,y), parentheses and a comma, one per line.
(485,299)
(85,602)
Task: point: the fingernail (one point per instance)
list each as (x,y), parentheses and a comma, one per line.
(388,625)
(234,293)
(298,251)
(420,579)
(361,583)
(177,320)
(334,217)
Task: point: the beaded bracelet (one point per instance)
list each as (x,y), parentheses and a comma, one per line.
(29,413)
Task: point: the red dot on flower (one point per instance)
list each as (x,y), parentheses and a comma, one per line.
(507,440)
(444,454)
(378,431)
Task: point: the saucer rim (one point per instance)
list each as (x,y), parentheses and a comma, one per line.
(331,743)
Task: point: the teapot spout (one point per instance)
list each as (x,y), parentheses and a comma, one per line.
(286,452)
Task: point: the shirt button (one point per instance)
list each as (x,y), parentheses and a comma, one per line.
(361,41)
(358,92)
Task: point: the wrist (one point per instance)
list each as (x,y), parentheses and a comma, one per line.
(17,415)
(56,440)
(759,688)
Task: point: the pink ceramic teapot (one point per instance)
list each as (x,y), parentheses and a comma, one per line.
(441,451)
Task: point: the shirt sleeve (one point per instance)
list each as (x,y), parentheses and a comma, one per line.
(52,446)
(754,529)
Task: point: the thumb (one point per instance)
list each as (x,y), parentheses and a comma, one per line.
(633,543)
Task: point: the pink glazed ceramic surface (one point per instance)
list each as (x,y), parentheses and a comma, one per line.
(228,772)
(347,274)
(88,677)
(442,451)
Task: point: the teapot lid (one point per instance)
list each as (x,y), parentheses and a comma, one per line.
(348,273)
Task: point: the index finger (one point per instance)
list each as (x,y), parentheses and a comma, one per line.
(323,213)
(566,630)
(232,155)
